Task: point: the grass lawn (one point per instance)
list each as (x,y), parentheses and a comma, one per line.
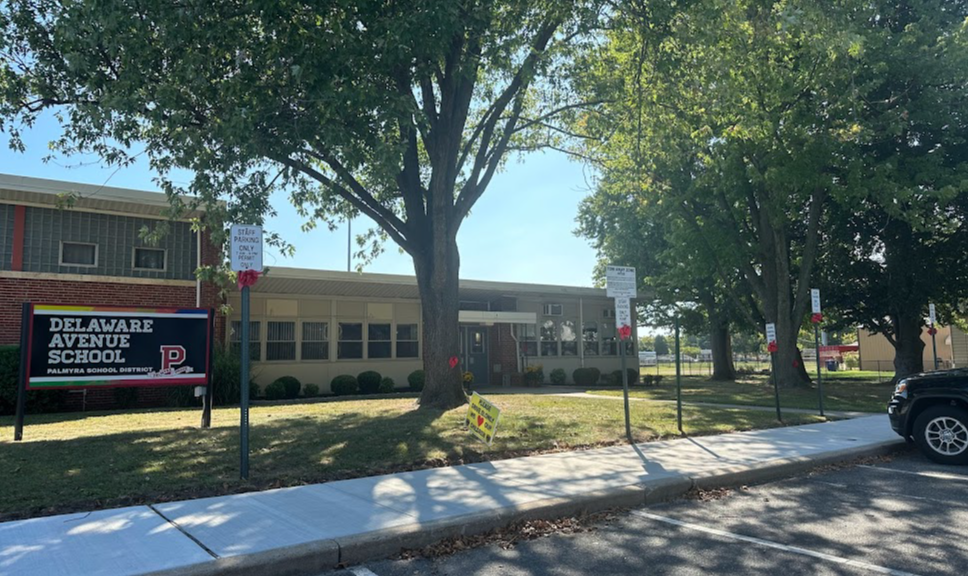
(853,394)
(94,460)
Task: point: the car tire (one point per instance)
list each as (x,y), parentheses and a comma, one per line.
(940,433)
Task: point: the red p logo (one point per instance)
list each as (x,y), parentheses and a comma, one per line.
(172,355)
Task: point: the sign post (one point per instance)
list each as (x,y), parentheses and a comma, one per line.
(771,331)
(932,331)
(621,285)
(246,252)
(816,320)
(676,351)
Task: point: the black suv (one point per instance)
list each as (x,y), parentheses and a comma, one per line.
(930,409)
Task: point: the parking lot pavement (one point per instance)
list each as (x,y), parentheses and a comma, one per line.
(899,515)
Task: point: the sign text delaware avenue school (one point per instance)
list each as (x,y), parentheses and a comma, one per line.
(87,346)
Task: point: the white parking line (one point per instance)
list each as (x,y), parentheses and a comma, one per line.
(932,474)
(791,549)
(361,571)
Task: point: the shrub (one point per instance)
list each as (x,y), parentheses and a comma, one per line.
(615,377)
(647,380)
(467,379)
(291,386)
(534,376)
(557,376)
(37,401)
(344,385)
(416,380)
(253,391)
(657,379)
(585,376)
(386,385)
(311,390)
(369,382)
(276,390)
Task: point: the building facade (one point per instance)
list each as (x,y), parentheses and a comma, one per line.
(875,353)
(69,243)
(315,325)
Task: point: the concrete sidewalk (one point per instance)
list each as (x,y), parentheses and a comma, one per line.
(313,528)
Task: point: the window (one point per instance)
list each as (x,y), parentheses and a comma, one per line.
(552,310)
(378,341)
(609,339)
(570,344)
(407,341)
(350,341)
(280,341)
(235,339)
(608,313)
(316,342)
(550,340)
(79,254)
(527,340)
(149,258)
(590,338)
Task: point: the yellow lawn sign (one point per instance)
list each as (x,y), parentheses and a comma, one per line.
(483,418)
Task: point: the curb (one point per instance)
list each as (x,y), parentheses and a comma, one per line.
(324,555)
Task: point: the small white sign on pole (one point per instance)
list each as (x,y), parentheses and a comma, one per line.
(246,247)
(771,333)
(620,282)
(815,301)
(624,317)
(931,314)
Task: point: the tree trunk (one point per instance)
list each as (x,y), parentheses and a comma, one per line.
(723,369)
(908,344)
(788,364)
(437,283)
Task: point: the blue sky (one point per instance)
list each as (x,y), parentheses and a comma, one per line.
(519,231)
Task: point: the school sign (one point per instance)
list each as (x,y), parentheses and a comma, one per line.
(97,346)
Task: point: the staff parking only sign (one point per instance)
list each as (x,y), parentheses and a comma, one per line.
(93,346)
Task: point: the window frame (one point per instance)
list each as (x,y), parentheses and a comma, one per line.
(416,340)
(389,341)
(134,259)
(257,342)
(362,340)
(542,341)
(326,341)
(60,255)
(295,341)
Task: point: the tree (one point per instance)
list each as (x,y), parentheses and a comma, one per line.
(660,345)
(900,243)
(401,111)
(732,116)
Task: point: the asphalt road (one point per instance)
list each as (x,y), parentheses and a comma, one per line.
(905,515)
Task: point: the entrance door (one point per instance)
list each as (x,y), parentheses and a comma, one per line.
(474,352)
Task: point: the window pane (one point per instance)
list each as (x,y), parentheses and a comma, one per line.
(349,350)
(378,332)
(152,258)
(378,350)
(590,338)
(313,331)
(280,341)
(407,332)
(315,351)
(529,348)
(351,331)
(82,254)
(407,350)
(550,345)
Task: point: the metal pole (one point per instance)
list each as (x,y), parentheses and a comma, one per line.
(935,356)
(244,389)
(679,391)
(817,356)
(777,394)
(22,376)
(349,222)
(207,397)
(625,387)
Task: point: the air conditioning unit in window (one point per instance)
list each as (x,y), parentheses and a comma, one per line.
(608,313)
(552,310)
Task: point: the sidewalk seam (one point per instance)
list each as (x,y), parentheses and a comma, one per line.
(184,532)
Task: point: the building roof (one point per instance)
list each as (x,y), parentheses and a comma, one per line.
(43,191)
(286,280)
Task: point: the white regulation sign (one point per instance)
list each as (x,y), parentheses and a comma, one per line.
(815,301)
(624,317)
(246,247)
(931,314)
(620,282)
(771,333)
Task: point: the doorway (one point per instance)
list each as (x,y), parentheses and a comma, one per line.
(474,352)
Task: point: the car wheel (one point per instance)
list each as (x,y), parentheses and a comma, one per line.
(940,433)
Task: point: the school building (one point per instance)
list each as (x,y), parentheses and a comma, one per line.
(70,243)
(875,353)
